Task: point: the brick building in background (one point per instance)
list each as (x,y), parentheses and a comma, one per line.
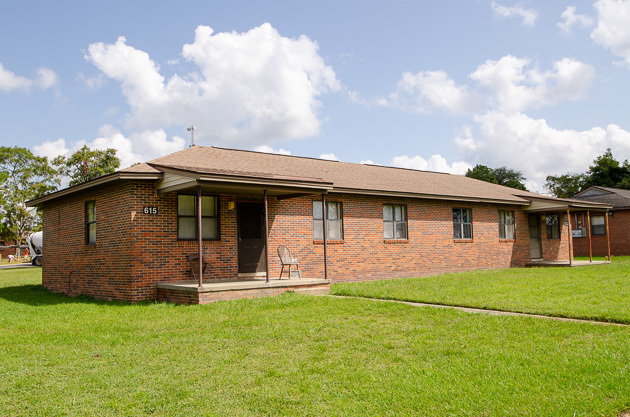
(128,235)
(618,223)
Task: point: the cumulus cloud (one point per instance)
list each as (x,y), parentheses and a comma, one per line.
(535,148)
(529,16)
(570,20)
(613,27)
(9,81)
(435,163)
(137,147)
(269,149)
(248,88)
(515,86)
(427,90)
(329,156)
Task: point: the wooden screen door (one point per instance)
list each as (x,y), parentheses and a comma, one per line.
(535,246)
(251,238)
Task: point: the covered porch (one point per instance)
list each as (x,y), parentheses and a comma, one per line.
(542,206)
(250,195)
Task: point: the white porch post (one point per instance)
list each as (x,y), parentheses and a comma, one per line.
(570,238)
(266,237)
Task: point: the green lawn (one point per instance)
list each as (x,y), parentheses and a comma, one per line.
(297,355)
(599,292)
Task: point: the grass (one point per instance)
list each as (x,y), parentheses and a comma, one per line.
(297,355)
(599,292)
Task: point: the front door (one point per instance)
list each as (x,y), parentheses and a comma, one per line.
(535,247)
(251,238)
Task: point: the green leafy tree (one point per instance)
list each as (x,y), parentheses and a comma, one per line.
(606,171)
(23,177)
(87,164)
(567,185)
(502,176)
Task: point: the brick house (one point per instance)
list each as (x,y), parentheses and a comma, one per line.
(128,235)
(617,239)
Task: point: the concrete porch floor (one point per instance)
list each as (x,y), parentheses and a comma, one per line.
(564,263)
(191,293)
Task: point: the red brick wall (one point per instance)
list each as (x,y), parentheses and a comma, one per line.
(619,226)
(72,267)
(134,250)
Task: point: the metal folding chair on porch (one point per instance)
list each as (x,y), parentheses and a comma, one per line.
(193,261)
(287,260)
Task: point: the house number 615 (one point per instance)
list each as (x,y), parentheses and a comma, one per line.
(150,210)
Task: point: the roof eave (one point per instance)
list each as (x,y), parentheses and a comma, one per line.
(105,179)
(388,193)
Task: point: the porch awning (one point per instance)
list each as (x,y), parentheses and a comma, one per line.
(178,178)
(542,204)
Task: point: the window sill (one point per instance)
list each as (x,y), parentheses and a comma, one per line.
(507,240)
(462,241)
(328,242)
(395,241)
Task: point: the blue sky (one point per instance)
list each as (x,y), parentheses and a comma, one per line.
(538,86)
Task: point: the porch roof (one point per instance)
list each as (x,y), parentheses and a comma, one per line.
(546,204)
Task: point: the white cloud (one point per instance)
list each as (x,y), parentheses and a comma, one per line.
(94,82)
(269,149)
(329,156)
(514,87)
(435,163)
(570,20)
(9,81)
(613,27)
(138,147)
(424,91)
(537,149)
(368,162)
(529,16)
(250,88)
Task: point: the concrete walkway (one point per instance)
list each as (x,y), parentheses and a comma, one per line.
(487,311)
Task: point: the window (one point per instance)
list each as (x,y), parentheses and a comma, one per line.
(462,223)
(334,221)
(553,226)
(394,222)
(90,223)
(598,225)
(506,225)
(187,217)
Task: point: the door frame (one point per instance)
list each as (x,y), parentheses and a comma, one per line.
(539,237)
(261,267)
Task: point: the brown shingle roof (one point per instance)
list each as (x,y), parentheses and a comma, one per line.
(345,176)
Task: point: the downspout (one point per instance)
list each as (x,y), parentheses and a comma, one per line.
(266,237)
(325,226)
(607,235)
(570,238)
(590,244)
(199,237)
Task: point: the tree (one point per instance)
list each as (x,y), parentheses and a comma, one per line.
(23,177)
(606,171)
(87,164)
(567,185)
(502,176)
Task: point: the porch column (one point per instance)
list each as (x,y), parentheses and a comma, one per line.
(590,244)
(199,237)
(324,232)
(266,237)
(607,234)
(570,238)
